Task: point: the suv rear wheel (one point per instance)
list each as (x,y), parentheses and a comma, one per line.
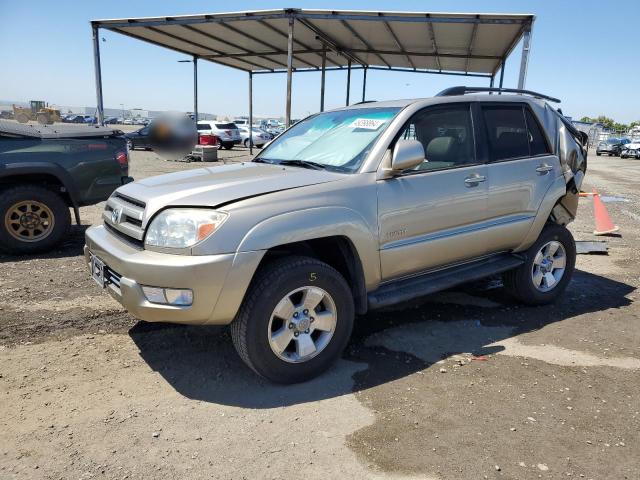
(33,218)
(295,321)
(547,269)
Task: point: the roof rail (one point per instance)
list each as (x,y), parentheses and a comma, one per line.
(447,92)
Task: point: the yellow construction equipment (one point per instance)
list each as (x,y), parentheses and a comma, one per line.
(39,111)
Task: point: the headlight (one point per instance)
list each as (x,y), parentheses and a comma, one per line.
(183,227)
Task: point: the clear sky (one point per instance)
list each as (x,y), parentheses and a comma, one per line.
(584,52)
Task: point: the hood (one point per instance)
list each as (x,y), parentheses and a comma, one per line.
(215,186)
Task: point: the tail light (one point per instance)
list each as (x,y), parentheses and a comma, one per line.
(122,159)
(209,140)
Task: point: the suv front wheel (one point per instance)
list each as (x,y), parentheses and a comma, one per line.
(295,321)
(547,269)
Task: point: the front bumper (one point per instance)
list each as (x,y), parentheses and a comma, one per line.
(208,276)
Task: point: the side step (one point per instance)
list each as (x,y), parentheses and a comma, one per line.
(414,287)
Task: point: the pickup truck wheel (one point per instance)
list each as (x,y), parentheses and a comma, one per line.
(295,321)
(34,219)
(547,269)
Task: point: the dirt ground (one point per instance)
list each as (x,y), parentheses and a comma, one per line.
(465,385)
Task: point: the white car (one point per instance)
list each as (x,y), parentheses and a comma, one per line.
(259,136)
(228,132)
(631,150)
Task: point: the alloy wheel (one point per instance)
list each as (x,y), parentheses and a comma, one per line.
(29,221)
(549,266)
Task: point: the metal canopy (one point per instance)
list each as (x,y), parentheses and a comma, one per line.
(295,40)
(256,41)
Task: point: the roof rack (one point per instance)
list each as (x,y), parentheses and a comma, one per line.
(447,92)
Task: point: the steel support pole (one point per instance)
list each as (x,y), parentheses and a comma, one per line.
(287,117)
(98,73)
(501,75)
(491,81)
(323,75)
(524,61)
(364,84)
(195,88)
(250,113)
(348,81)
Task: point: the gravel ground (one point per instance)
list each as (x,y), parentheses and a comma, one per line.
(465,385)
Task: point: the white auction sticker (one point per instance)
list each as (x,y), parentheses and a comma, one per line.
(367,123)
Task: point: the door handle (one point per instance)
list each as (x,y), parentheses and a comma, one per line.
(544,168)
(474,179)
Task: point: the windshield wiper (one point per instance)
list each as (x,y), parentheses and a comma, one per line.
(303,164)
(261,160)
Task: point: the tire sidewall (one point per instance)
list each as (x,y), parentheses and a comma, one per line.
(263,358)
(62,218)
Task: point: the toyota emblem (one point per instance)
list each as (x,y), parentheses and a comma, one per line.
(116,214)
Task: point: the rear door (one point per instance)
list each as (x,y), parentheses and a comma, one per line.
(433,215)
(521,169)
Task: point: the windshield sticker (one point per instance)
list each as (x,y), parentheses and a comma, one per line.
(367,123)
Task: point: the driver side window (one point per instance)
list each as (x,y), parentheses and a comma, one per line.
(446,134)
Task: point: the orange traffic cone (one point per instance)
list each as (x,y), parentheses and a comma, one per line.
(604,225)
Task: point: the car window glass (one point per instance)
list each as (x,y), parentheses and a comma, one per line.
(446,135)
(506,132)
(537,143)
(204,126)
(226,126)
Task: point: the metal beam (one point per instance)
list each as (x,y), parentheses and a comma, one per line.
(362,40)
(470,47)
(501,76)
(331,43)
(195,87)
(98,73)
(289,72)
(356,50)
(262,42)
(437,72)
(198,45)
(348,82)
(224,18)
(364,84)
(232,45)
(322,78)
(524,62)
(434,45)
(328,69)
(398,44)
(250,113)
(307,48)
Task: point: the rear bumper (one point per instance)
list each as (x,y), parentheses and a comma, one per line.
(218,282)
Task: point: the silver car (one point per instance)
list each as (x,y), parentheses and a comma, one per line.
(259,136)
(349,211)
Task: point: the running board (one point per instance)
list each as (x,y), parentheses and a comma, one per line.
(414,287)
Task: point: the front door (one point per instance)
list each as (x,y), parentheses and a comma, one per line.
(434,215)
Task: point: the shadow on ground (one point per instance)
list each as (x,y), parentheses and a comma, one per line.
(71,246)
(200,362)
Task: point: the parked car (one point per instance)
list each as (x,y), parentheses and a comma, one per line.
(259,136)
(227,133)
(139,138)
(611,146)
(73,118)
(44,172)
(631,150)
(349,211)
(111,121)
(127,121)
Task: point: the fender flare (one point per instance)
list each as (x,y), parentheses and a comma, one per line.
(316,223)
(24,169)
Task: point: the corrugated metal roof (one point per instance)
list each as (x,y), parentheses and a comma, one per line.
(257,40)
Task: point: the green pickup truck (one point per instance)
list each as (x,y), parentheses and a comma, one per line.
(45,171)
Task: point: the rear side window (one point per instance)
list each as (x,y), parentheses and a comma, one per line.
(513,132)
(226,126)
(537,143)
(204,126)
(506,132)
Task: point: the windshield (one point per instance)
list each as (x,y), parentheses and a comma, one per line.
(336,140)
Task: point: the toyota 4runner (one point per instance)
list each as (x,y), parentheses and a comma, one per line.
(350,210)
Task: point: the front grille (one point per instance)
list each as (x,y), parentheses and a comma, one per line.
(123,216)
(139,244)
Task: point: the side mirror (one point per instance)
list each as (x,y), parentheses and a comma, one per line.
(406,154)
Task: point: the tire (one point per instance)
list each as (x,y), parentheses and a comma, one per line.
(246,143)
(256,320)
(520,281)
(598,154)
(22,118)
(227,146)
(16,204)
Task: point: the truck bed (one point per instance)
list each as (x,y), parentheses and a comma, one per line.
(13,129)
